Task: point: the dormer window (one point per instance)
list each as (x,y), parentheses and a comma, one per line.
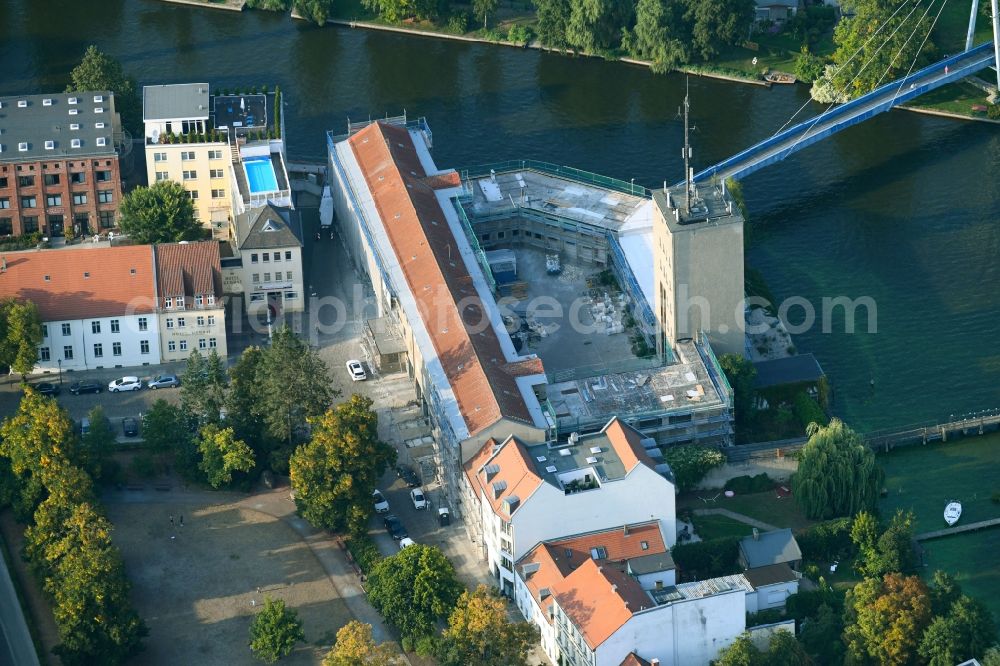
(168,302)
(99,125)
(180,302)
(22,104)
(75,143)
(72,100)
(23,146)
(98,109)
(47,101)
(50,145)
(98,99)
(101,141)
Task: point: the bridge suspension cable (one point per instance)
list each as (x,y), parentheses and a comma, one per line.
(821,115)
(856,54)
(916,55)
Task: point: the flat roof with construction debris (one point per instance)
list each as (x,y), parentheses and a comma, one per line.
(571,199)
(683,386)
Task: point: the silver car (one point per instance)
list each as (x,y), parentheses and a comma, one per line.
(164,381)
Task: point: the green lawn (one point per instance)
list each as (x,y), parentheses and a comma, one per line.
(766,507)
(716,527)
(924,478)
(949,33)
(958,98)
(972,559)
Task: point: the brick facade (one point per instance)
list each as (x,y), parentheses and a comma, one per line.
(79,207)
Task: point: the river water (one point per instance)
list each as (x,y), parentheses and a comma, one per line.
(902,209)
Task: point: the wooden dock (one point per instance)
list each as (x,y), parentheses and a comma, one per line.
(949,531)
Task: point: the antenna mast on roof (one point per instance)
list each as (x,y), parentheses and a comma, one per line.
(687,146)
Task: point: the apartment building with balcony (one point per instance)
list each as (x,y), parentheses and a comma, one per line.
(265,263)
(59,164)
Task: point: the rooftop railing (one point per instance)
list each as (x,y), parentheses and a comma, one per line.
(569,173)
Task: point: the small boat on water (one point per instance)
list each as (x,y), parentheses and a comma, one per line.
(952,512)
(779,77)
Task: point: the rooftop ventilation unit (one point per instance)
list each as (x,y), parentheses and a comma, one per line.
(595,449)
(22,104)
(574,437)
(551,469)
(592,460)
(541,458)
(101,141)
(565,452)
(47,101)
(49,145)
(75,143)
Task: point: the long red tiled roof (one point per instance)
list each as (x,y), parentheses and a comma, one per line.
(558,558)
(627,442)
(82,283)
(482,380)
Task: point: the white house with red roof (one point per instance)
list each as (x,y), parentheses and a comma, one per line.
(519,494)
(97,305)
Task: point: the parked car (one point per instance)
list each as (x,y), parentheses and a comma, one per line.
(407,474)
(125,384)
(45,388)
(381,504)
(84,425)
(130,426)
(419,501)
(394,526)
(163,381)
(406,543)
(85,387)
(356,370)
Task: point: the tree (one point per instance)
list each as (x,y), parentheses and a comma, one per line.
(884,549)
(784,650)
(166,432)
(160,213)
(317,11)
(21,328)
(97,624)
(98,443)
(203,387)
(945,591)
(335,473)
(742,652)
(885,619)
(821,636)
(293,384)
(479,633)
(39,442)
(660,35)
(98,71)
(838,474)
(691,462)
(876,44)
(222,454)
(741,374)
(390,10)
(808,67)
(966,631)
(718,22)
(553,17)
(274,631)
(241,414)
(595,26)
(355,647)
(414,589)
(485,7)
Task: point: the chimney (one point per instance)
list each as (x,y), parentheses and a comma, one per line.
(614,587)
(625,529)
(654,662)
(756,534)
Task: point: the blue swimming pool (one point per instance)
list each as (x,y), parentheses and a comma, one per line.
(260,175)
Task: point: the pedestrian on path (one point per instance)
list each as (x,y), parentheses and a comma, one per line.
(171,520)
